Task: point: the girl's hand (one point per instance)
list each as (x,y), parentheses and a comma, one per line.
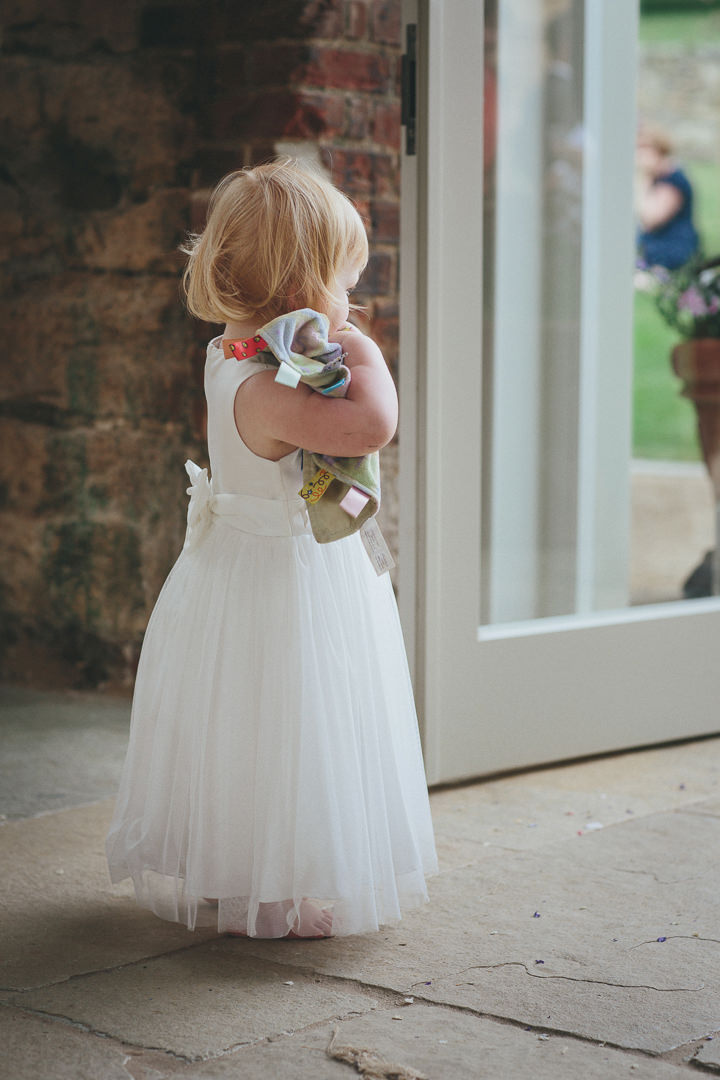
(273,419)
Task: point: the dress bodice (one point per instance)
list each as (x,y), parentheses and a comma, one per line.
(235,469)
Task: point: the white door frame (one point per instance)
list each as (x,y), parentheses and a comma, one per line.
(506,696)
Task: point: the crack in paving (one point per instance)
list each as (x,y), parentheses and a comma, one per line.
(573,978)
(104,970)
(666,881)
(390,1002)
(185,1059)
(675,937)
(544,1029)
(60,1018)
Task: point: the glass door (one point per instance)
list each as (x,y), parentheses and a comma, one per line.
(516,391)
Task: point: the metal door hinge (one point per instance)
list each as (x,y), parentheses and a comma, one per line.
(409,88)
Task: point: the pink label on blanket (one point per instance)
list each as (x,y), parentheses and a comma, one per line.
(354,502)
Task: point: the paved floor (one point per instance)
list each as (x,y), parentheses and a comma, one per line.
(672,526)
(573,932)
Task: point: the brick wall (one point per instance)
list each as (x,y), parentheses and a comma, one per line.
(116,121)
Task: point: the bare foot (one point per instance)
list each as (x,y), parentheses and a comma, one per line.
(311,922)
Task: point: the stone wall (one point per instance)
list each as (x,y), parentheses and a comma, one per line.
(679,92)
(116,122)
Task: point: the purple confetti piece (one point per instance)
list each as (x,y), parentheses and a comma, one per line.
(662,939)
(536,915)
(539,961)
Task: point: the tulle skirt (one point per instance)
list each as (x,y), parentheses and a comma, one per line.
(274,752)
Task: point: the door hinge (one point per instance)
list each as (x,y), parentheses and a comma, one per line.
(409,88)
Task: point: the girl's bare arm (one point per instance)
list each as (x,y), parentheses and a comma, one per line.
(274,419)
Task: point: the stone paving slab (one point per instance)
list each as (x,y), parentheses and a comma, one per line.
(709,1053)
(706,806)
(566,937)
(37,1048)
(198,1002)
(437,1043)
(433,1041)
(529,810)
(61,915)
(59,750)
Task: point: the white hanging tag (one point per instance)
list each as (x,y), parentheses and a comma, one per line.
(376,547)
(287,376)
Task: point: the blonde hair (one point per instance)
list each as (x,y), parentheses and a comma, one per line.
(275,237)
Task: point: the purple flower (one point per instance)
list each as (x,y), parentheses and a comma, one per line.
(693,301)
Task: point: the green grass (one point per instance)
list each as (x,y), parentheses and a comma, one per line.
(664,425)
(663,422)
(704,176)
(680,28)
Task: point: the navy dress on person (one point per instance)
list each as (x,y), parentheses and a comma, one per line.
(672,244)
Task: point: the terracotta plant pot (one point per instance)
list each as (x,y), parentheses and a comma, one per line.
(697,363)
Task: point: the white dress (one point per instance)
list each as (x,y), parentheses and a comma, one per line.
(274,751)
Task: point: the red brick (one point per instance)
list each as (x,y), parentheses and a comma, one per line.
(386,339)
(387,309)
(387,22)
(357,118)
(363,208)
(385,218)
(351,170)
(362,173)
(357,20)
(329,107)
(324,19)
(378,278)
(348,69)
(386,124)
(276,113)
(385,329)
(386,175)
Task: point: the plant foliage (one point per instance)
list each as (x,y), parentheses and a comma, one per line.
(689,298)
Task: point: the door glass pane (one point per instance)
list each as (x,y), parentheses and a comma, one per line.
(584,507)
(672,506)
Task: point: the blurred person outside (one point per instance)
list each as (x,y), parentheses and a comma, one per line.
(666,234)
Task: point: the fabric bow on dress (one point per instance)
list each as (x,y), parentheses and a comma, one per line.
(199,513)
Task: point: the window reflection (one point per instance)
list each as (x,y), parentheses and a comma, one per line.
(537,430)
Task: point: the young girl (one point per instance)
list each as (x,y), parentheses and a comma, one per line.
(274,782)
